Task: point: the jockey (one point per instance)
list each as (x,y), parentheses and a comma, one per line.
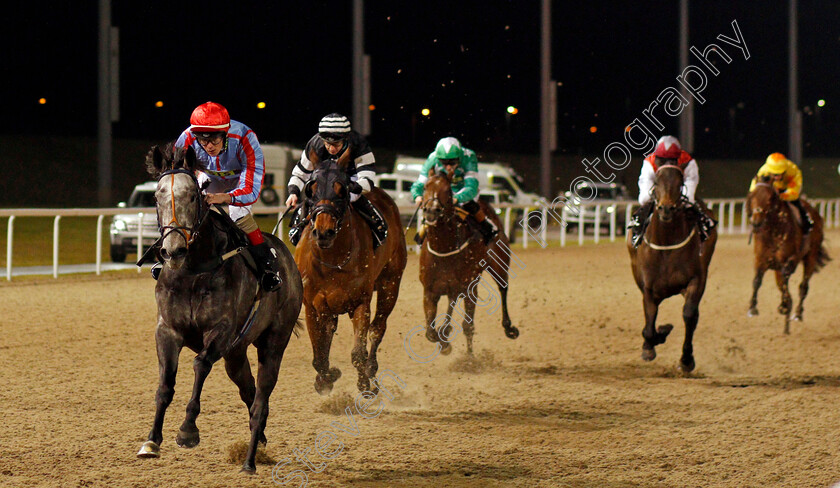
(667,151)
(334,137)
(787,180)
(448,154)
(232,175)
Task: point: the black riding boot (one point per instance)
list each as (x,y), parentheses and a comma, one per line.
(639,222)
(268,267)
(805,217)
(705,224)
(295,227)
(378,226)
(488,230)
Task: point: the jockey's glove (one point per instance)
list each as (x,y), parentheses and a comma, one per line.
(354,187)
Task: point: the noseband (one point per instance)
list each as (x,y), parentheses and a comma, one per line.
(189,233)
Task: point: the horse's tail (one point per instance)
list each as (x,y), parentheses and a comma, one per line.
(297,328)
(822,258)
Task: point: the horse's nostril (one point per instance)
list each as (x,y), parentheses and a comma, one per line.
(180,252)
(329,233)
(316,233)
(164,253)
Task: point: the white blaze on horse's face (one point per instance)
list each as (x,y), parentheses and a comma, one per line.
(177,208)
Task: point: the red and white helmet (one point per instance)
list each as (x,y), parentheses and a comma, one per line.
(210,117)
(668,147)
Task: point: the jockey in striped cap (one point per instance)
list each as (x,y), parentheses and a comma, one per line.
(334,138)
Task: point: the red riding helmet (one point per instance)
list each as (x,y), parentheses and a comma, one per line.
(667,147)
(210,117)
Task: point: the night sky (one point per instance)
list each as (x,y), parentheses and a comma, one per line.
(466,61)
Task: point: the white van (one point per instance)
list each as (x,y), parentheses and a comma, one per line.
(280,159)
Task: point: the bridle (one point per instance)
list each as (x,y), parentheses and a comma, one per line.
(446,215)
(682,172)
(189,233)
(335,208)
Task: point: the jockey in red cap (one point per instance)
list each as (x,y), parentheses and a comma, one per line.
(668,151)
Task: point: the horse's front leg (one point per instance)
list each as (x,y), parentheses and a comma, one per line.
(691,314)
(321,329)
(782,278)
(653,336)
(759,274)
(359,355)
(202,364)
(430,302)
(169,347)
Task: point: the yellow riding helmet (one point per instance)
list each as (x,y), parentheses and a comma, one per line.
(777,163)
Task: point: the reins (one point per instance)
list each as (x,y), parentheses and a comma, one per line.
(671,247)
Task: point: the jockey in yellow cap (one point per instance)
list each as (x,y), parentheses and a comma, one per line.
(787,180)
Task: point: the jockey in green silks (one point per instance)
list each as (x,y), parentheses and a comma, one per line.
(450,155)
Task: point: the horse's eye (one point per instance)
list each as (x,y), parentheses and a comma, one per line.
(192,198)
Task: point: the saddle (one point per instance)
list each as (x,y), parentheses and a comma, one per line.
(797,217)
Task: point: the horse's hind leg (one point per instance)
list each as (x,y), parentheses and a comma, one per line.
(359,355)
(321,330)
(270,349)
(239,371)
(809,266)
(386,297)
(188,433)
(759,274)
(168,348)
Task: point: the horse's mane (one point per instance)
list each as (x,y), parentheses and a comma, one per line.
(172,158)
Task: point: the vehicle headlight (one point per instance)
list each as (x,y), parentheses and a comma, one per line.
(120,225)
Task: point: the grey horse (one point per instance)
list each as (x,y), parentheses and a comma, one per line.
(210,301)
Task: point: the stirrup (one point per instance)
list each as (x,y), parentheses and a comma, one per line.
(271,281)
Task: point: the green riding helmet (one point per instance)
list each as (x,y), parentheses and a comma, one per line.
(449,148)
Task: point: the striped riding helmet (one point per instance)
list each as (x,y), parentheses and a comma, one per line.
(668,147)
(334,128)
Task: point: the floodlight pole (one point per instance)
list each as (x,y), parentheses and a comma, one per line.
(103,149)
(361,71)
(546,111)
(687,115)
(794,115)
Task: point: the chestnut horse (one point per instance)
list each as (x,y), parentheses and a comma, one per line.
(671,260)
(779,245)
(341,270)
(452,260)
(210,301)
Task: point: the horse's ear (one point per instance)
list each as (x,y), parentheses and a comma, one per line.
(154,161)
(313,156)
(309,188)
(190,159)
(345,157)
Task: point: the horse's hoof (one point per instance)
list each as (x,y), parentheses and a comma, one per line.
(322,386)
(149,449)
(249,470)
(187,439)
(797,318)
(687,367)
(445,348)
(648,354)
(432,334)
(752,312)
(512,333)
(663,330)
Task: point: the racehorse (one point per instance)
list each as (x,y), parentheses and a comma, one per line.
(780,246)
(671,260)
(341,270)
(452,260)
(211,302)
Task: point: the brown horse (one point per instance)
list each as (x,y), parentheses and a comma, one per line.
(779,245)
(209,301)
(451,262)
(341,270)
(671,260)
